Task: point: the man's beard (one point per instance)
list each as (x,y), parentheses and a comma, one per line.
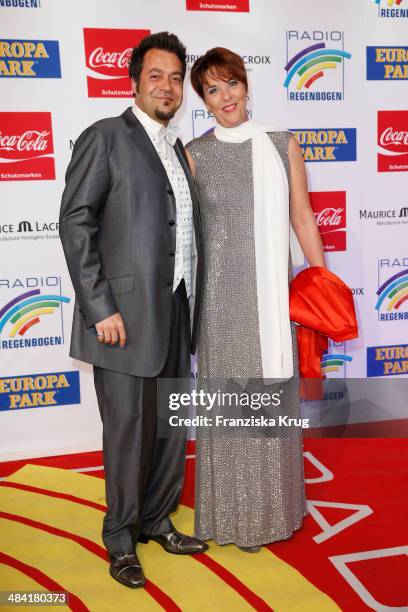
(164,115)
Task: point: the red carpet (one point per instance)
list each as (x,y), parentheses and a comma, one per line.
(353,546)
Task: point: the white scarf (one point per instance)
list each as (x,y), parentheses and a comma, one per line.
(273,235)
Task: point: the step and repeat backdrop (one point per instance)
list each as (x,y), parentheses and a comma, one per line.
(335,73)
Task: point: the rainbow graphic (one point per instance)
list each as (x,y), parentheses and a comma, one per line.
(25,310)
(390,2)
(332,362)
(395,289)
(311,63)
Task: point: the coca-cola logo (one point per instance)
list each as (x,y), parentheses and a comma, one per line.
(329,208)
(109,59)
(30,140)
(329,217)
(236,6)
(108,52)
(26,147)
(393,137)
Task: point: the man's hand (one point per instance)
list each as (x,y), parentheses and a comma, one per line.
(111,330)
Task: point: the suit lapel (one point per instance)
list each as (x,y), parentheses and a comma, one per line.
(142,141)
(144,144)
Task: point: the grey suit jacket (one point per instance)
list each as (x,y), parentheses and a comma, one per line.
(118,230)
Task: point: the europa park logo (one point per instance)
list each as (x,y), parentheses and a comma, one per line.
(329,208)
(40,306)
(39,390)
(393,141)
(327,144)
(30,59)
(26,147)
(107,54)
(387,63)
(314,65)
(389,360)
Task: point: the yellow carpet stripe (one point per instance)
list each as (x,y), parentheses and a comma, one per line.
(162,568)
(190,584)
(13,580)
(61,481)
(271,578)
(69,516)
(279,584)
(76,569)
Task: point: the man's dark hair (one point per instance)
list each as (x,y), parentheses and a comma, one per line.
(162,40)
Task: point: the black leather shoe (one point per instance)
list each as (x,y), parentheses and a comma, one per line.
(127,570)
(176,542)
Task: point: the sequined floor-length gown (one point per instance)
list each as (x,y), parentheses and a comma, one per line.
(249,489)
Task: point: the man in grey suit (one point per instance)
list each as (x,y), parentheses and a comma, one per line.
(130,229)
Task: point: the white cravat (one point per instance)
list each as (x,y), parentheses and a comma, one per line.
(163,139)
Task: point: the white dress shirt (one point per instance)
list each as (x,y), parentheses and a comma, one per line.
(163,140)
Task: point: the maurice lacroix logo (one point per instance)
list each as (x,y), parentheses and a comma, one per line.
(250,60)
(31,314)
(26,147)
(385,216)
(392,136)
(29,59)
(107,54)
(29,230)
(315,65)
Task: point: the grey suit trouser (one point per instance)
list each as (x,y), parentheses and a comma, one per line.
(143,472)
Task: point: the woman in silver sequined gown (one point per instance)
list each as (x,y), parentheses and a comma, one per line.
(249,486)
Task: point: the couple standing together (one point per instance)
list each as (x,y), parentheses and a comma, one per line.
(134,226)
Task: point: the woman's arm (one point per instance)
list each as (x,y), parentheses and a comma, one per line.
(301,214)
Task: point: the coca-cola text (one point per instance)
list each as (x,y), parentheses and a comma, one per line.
(99,58)
(393,137)
(31,140)
(331,217)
